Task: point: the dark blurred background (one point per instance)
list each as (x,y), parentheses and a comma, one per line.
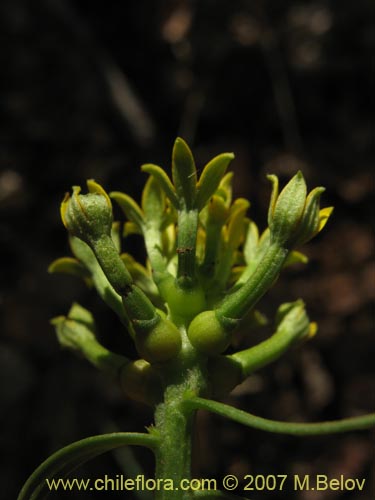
(95,89)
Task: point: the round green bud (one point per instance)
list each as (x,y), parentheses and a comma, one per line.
(160,343)
(141,382)
(207,334)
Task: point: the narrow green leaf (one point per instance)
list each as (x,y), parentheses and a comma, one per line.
(71,266)
(130,207)
(184,173)
(210,178)
(236,223)
(251,242)
(274,426)
(225,188)
(153,201)
(64,461)
(164,181)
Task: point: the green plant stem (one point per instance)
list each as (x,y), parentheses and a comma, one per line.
(238,303)
(186,244)
(174,422)
(106,291)
(262,354)
(105,360)
(296,429)
(138,306)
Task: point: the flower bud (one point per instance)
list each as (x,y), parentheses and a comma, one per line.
(293,218)
(286,208)
(89,216)
(77,332)
(292,317)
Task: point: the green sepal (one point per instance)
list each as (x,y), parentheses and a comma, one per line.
(71,266)
(184,174)
(210,178)
(129,206)
(67,459)
(163,180)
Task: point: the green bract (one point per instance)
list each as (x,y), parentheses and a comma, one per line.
(208,265)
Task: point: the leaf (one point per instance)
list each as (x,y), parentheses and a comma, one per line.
(236,224)
(71,266)
(251,242)
(277,427)
(184,174)
(210,178)
(130,207)
(64,461)
(225,189)
(153,201)
(164,181)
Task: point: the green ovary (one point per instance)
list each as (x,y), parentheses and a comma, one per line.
(161,343)
(207,334)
